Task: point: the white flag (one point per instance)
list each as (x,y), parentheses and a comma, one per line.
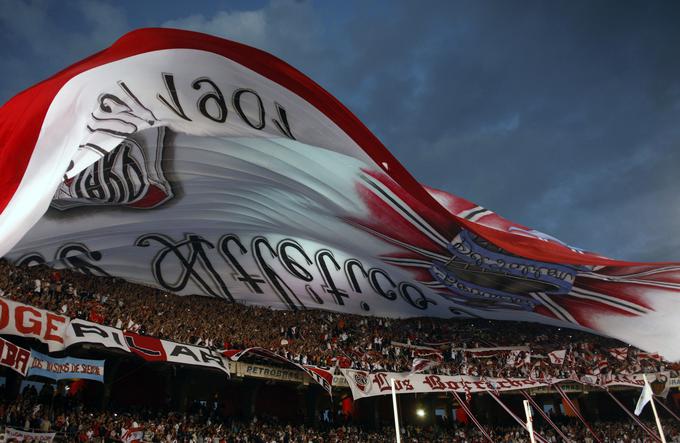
(645,397)
(422,364)
(557,357)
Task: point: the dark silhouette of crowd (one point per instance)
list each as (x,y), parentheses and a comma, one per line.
(58,411)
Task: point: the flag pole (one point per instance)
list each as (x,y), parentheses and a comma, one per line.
(656,416)
(530,421)
(396,412)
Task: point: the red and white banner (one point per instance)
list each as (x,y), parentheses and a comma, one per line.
(557,357)
(423,365)
(14,357)
(12,434)
(60,332)
(194,355)
(132,435)
(83,331)
(365,384)
(27,321)
(318,213)
(619,353)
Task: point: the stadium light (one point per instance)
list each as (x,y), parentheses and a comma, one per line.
(420,412)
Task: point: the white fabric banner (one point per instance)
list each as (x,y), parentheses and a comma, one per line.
(19,435)
(201,166)
(27,321)
(83,331)
(364,384)
(194,355)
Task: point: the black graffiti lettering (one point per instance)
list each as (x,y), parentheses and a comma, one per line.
(290,264)
(373,274)
(93,185)
(236,100)
(313,295)
(275,281)
(329,284)
(110,179)
(82,330)
(196,245)
(215,96)
(282,123)
(349,266)
(103,183)
(131,168)
(78,261)
(240,274)
(208,356)
(183,350)
(31,259)
(176,107)
(406,289)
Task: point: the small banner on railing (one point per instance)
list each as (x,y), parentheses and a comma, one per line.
(66,368)
(12,434)
(12,356)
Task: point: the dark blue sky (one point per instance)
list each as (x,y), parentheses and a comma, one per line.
(563,116)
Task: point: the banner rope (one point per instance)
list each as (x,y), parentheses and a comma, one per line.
(659,402)
(634,417)
(468,411)
(545,416)
(538,436)
(576,411)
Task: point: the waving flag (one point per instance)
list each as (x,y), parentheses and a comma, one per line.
(202,166)
(645,397)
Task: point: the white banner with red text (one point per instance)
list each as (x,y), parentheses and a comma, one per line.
(26,321)
(12,434)
(14,357)
(365,384)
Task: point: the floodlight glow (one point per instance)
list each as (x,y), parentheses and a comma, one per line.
(420,412)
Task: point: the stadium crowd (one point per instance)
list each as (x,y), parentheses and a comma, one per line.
(327,339)
(57,411)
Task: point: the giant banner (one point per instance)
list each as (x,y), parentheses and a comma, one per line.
(202,166)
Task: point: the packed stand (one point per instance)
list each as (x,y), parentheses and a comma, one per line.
(56,411)
(327,339)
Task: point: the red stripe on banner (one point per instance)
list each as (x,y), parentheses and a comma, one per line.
(149,348)
(21,120)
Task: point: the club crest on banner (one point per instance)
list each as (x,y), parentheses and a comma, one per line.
(362,380)
(131,175)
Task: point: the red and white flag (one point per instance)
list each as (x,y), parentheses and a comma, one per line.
(649,356)
(557,357)
(132,435)
(423,365)
(619,353)
(164,110)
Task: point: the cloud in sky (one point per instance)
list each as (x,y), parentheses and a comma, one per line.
(561,116)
